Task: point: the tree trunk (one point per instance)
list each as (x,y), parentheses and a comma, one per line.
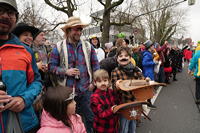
(106,28)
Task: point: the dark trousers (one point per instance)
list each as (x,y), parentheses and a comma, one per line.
(83,109)
(161,75)
(174,71)
(197,93)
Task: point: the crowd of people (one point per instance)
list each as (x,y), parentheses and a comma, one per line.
(73,87)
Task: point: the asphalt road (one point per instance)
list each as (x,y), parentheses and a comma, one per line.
(176,111)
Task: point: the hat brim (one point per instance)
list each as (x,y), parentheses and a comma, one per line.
(71,26)
(9,4)
(20,29)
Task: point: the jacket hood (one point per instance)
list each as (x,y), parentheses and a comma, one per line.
(48,121)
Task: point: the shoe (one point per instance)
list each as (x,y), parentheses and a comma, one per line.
(167,82)
(197,101)
(152,106)
(175,79)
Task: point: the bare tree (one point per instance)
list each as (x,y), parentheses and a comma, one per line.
(108,6)
(33,15)
(162,24)
(66,6)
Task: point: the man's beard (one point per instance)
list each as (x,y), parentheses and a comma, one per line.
(5,30)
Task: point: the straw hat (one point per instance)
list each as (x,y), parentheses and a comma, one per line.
(72,22)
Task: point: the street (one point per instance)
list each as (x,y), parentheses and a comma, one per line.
(176,110)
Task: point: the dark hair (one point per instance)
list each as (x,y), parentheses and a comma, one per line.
(126,49)
(98,44)
(126,40)
(54,103)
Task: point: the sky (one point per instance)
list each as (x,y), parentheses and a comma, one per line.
(192,18)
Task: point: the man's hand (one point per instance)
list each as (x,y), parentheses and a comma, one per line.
(72,72)
(4,98)
(16,104)
(44,68)
(91,87)
(39,65)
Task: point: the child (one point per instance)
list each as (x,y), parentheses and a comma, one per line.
(125,70)
(58,115)
(102,103)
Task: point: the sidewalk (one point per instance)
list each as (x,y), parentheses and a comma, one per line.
(176,111)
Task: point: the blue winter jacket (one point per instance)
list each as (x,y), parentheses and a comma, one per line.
(21,77)
(194,63)
(148,64)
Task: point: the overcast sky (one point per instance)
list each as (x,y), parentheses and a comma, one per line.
(192,21)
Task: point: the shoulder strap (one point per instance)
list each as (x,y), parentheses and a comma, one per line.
(63,54)
(62,50)
(87,52)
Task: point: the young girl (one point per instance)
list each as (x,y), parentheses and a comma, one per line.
(58,115)
(103,102)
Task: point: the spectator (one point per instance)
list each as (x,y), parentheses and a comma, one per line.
(59,115)
(103,102)
(148,64)
(94,40)
(19,72)
(195,66)
(25,33)
(161,51)
(41,55)
(125,70)
(73,61)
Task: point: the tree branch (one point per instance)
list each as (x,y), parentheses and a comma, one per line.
(55,26)
(101,2)
(114,4)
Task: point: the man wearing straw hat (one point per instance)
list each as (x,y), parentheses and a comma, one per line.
(74,61)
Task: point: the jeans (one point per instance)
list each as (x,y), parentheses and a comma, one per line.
(197,93)
(83,109)
(127,126)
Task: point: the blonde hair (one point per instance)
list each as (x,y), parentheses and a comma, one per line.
(100,74)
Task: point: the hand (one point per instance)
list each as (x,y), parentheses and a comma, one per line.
(73,72)
(91,87)
(112,108)
(4,98)
(44,67)
(117,84)
(39,65)
(155,61)
(148,79)
(166,43)
(190,72)
(16,104)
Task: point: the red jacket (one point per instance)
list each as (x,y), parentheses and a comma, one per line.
(188,54)
(104,120)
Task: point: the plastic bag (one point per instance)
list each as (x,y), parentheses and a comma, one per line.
(157,67)
(13,123)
